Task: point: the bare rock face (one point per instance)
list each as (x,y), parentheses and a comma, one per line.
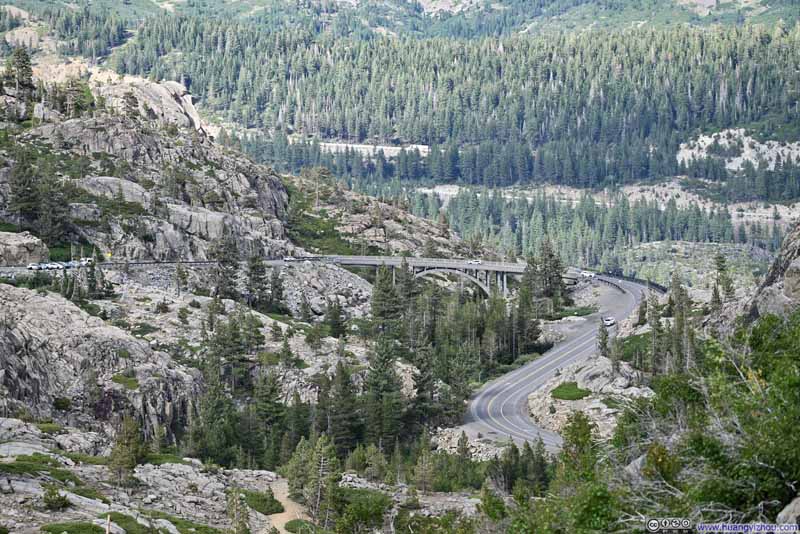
(54,350)
(480,449)
(166,102)
(779,294)
(790,514)
(316,283)
(19,249)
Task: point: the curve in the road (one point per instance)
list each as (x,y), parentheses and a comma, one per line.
(501,407)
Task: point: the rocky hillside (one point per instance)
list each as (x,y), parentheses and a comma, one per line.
(60,363)
(149,183)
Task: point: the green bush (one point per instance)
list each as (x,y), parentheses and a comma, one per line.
(300,526)
(62,404)
(52,499)
(3,530)
(264,503)
(569,391)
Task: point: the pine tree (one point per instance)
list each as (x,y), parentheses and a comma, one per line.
(344,415)
(128,449)
(385,305)
(225,253)
(275,291)
(382,395)
(320,490)
(602,340)
(333,318)
(19,70)
(424,408)
(724,280)
(257,284)
(238,512)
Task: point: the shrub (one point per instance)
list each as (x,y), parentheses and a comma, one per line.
(162,307)
(183,315)
(194,304)
(264,503)
(62,404)
(300,526)
(52,498)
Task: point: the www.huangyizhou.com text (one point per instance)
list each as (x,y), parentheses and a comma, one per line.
(682,526)
(747,527)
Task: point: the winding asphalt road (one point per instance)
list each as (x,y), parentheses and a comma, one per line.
(500,408)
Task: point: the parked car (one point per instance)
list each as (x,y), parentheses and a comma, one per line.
(587,274)
(474,262)
(609,321)
(55,265)
(86,261)
(34,266)
(290,258)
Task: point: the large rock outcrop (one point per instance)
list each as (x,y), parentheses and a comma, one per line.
(779,293)
(20,249)
(607,388)
(58,362)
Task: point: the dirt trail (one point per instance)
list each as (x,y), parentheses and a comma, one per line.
(291,509)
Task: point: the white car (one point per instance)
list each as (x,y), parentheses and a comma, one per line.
(290,258)
(34,266)
(609,321)
(587,274)
(474,262)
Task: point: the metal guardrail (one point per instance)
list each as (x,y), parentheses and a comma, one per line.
(652,285)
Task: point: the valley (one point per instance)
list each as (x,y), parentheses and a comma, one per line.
(380,266)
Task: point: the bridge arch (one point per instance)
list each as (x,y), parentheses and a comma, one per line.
(462,274)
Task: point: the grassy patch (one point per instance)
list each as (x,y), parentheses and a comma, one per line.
(36,465)
(8,227)
(128,523)
(129,382)
(184,526)
(86,458)
(142,329)
(76,527)
(572,311)
(612,403)
(49,428)
(264,503)
(3,530)
(91,493)
(569,391)
(163,458)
